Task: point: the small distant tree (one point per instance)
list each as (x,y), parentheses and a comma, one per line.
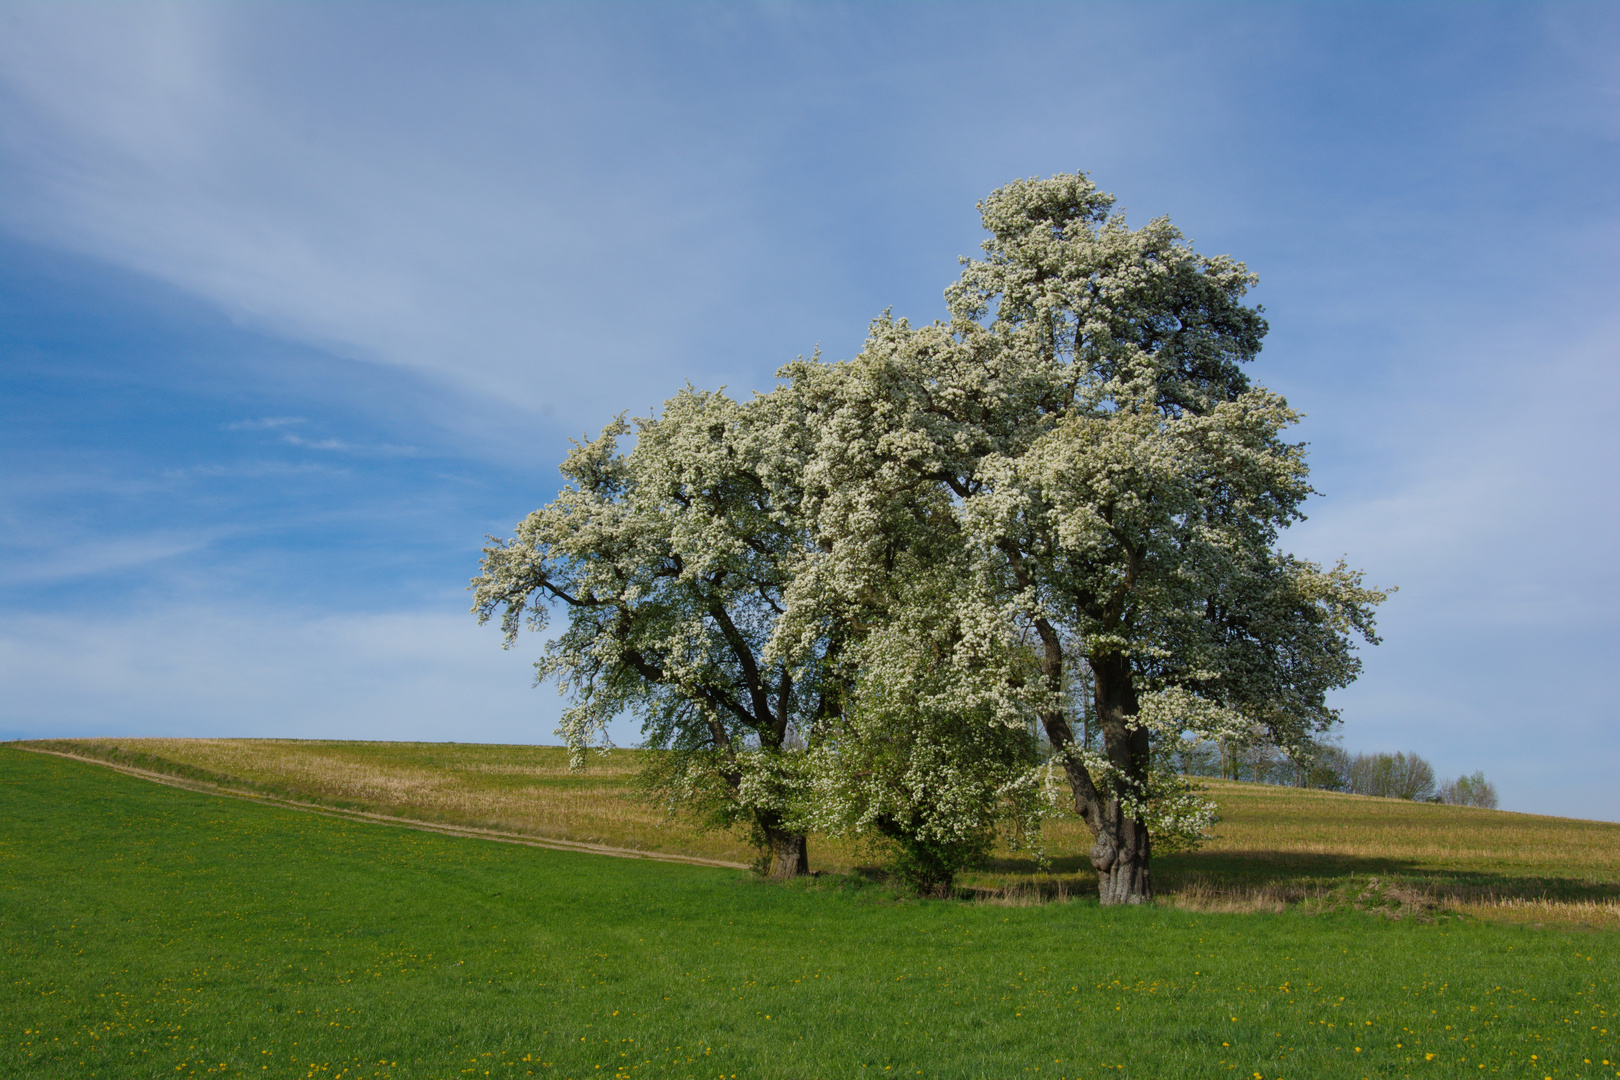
(1414,778)
(1327,767)
(1391,776)
(1263,763)
(1313,763)
(1196,757)
(1469,791)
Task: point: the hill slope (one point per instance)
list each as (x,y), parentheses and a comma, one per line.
(146,931)
(1273,846)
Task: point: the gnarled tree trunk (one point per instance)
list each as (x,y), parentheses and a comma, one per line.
(789,852)
(1121,849)
(1120,857)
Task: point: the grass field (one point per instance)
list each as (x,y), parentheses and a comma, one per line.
(1275,845)
(147,931)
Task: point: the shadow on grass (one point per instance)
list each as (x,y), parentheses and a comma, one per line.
(1304,874)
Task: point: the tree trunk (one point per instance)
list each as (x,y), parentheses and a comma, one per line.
(1122,849)
(790,854)
(1120,855)
(1121,862)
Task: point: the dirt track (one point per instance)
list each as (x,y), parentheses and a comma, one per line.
(387,819)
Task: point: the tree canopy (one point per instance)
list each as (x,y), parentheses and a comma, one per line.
(671,561)
(905,563)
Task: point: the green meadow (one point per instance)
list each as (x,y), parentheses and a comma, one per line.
(147,931)
(1273,847)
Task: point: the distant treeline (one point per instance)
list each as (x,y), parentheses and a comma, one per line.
(1331,768)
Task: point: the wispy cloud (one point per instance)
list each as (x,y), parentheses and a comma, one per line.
(281,424)
(200,670)
(251,470)
(345,447)
(268,423)
(83,559)
(510,209)
(625,205)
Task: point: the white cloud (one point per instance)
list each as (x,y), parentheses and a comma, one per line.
(346,447)
(251,470)
(1496,517)
(1500,508)
(526,204)
(197,671)
(25,565)
(532,204)
(453,226)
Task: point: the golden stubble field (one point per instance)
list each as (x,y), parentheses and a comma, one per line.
(1273,845)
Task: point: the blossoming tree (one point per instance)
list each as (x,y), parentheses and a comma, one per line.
(670,562)
(900,563)
(1083,431)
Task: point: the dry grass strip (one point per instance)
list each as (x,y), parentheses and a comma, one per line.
(1033,891)
(1592,914)
(520,790)
(387,819)
(1274,847)
(1198,895)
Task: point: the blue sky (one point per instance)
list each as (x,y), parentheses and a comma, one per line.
(297,302)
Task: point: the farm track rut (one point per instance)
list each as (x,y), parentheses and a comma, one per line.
(208,788)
